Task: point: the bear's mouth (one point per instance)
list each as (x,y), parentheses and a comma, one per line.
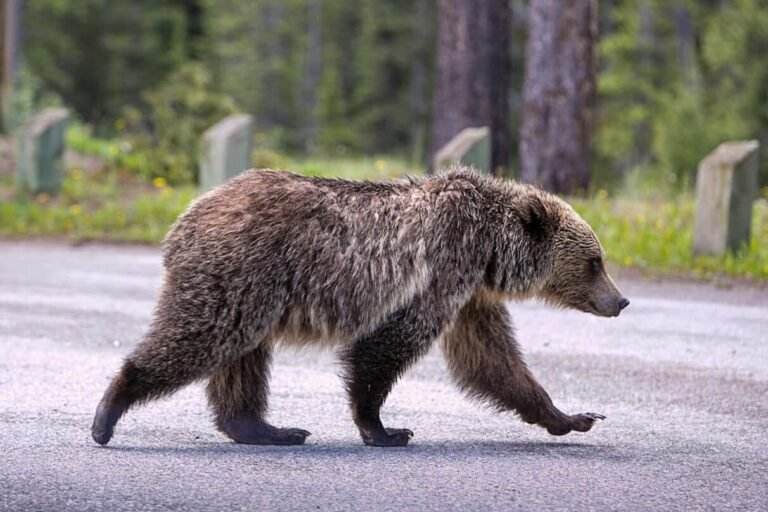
(593,308)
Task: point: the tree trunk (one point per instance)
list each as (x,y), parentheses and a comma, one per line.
(686,45)
(312,71)
(558,94)
(649,60)
(473,74)
(418,100)
(271,49)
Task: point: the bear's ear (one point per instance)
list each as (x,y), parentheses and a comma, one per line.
(533,216)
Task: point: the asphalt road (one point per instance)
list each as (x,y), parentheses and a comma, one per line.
(682,376)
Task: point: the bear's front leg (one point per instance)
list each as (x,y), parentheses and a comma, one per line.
(485,360)
(375,361)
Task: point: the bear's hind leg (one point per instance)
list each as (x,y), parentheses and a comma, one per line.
(374,362)
(238,395)
(166,360)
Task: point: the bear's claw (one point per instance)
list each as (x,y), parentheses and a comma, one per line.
(389,437)
(578,422)
(584,422)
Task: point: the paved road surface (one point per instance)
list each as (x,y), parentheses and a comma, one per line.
(682,376)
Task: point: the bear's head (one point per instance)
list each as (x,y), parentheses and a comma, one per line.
(577,276)
(558,253)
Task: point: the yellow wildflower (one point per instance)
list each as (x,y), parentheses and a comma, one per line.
(159,182)
(75,209)
(380,165)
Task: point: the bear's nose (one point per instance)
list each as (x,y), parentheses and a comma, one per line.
(624,302)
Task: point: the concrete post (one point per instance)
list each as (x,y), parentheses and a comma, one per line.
(726,187)
(471,147)
(226,150)
(41,151)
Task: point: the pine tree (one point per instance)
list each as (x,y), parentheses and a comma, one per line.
(99,56)
(473,74)
(558,95)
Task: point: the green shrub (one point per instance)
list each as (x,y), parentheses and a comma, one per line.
(165,143)
(681,138)
(80,138)
(657,236)
(262,158)
(97,207)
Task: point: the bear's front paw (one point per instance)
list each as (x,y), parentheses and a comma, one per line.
(577,422)
(584,422)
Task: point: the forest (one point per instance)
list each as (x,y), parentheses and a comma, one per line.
(612,103)
(322,77)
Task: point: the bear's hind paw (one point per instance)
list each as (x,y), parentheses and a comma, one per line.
(389,437)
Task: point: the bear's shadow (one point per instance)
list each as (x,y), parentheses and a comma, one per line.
(425,449)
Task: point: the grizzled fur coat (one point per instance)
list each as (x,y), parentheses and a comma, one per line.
(380,270)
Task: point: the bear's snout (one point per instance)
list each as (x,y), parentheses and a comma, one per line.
(618,307)
(608,300)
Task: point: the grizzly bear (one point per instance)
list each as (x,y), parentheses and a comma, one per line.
(381,270)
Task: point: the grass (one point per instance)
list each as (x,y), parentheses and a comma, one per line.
(114,205)
(358,168)
(380,168)
(107,206)
(79,138)
(653,235)
(656,236)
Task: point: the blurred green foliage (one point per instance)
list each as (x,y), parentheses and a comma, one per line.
(677,79)
(653,234)
(80,138)
(100,56)
(103,206)
(111,204)
(327,80)
(340,78)
(165,139)
(320,77)
(656,235)
(324,76)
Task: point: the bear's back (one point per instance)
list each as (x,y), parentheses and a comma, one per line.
(339,250)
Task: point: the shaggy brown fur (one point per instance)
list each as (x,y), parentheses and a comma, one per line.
(381,270)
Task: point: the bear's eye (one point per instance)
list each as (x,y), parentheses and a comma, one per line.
(596,265)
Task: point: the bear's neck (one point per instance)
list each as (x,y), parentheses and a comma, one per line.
(516,268)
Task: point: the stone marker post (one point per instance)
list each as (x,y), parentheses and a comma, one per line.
(726,186)
(226,150)
(41,151)
(472,147)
